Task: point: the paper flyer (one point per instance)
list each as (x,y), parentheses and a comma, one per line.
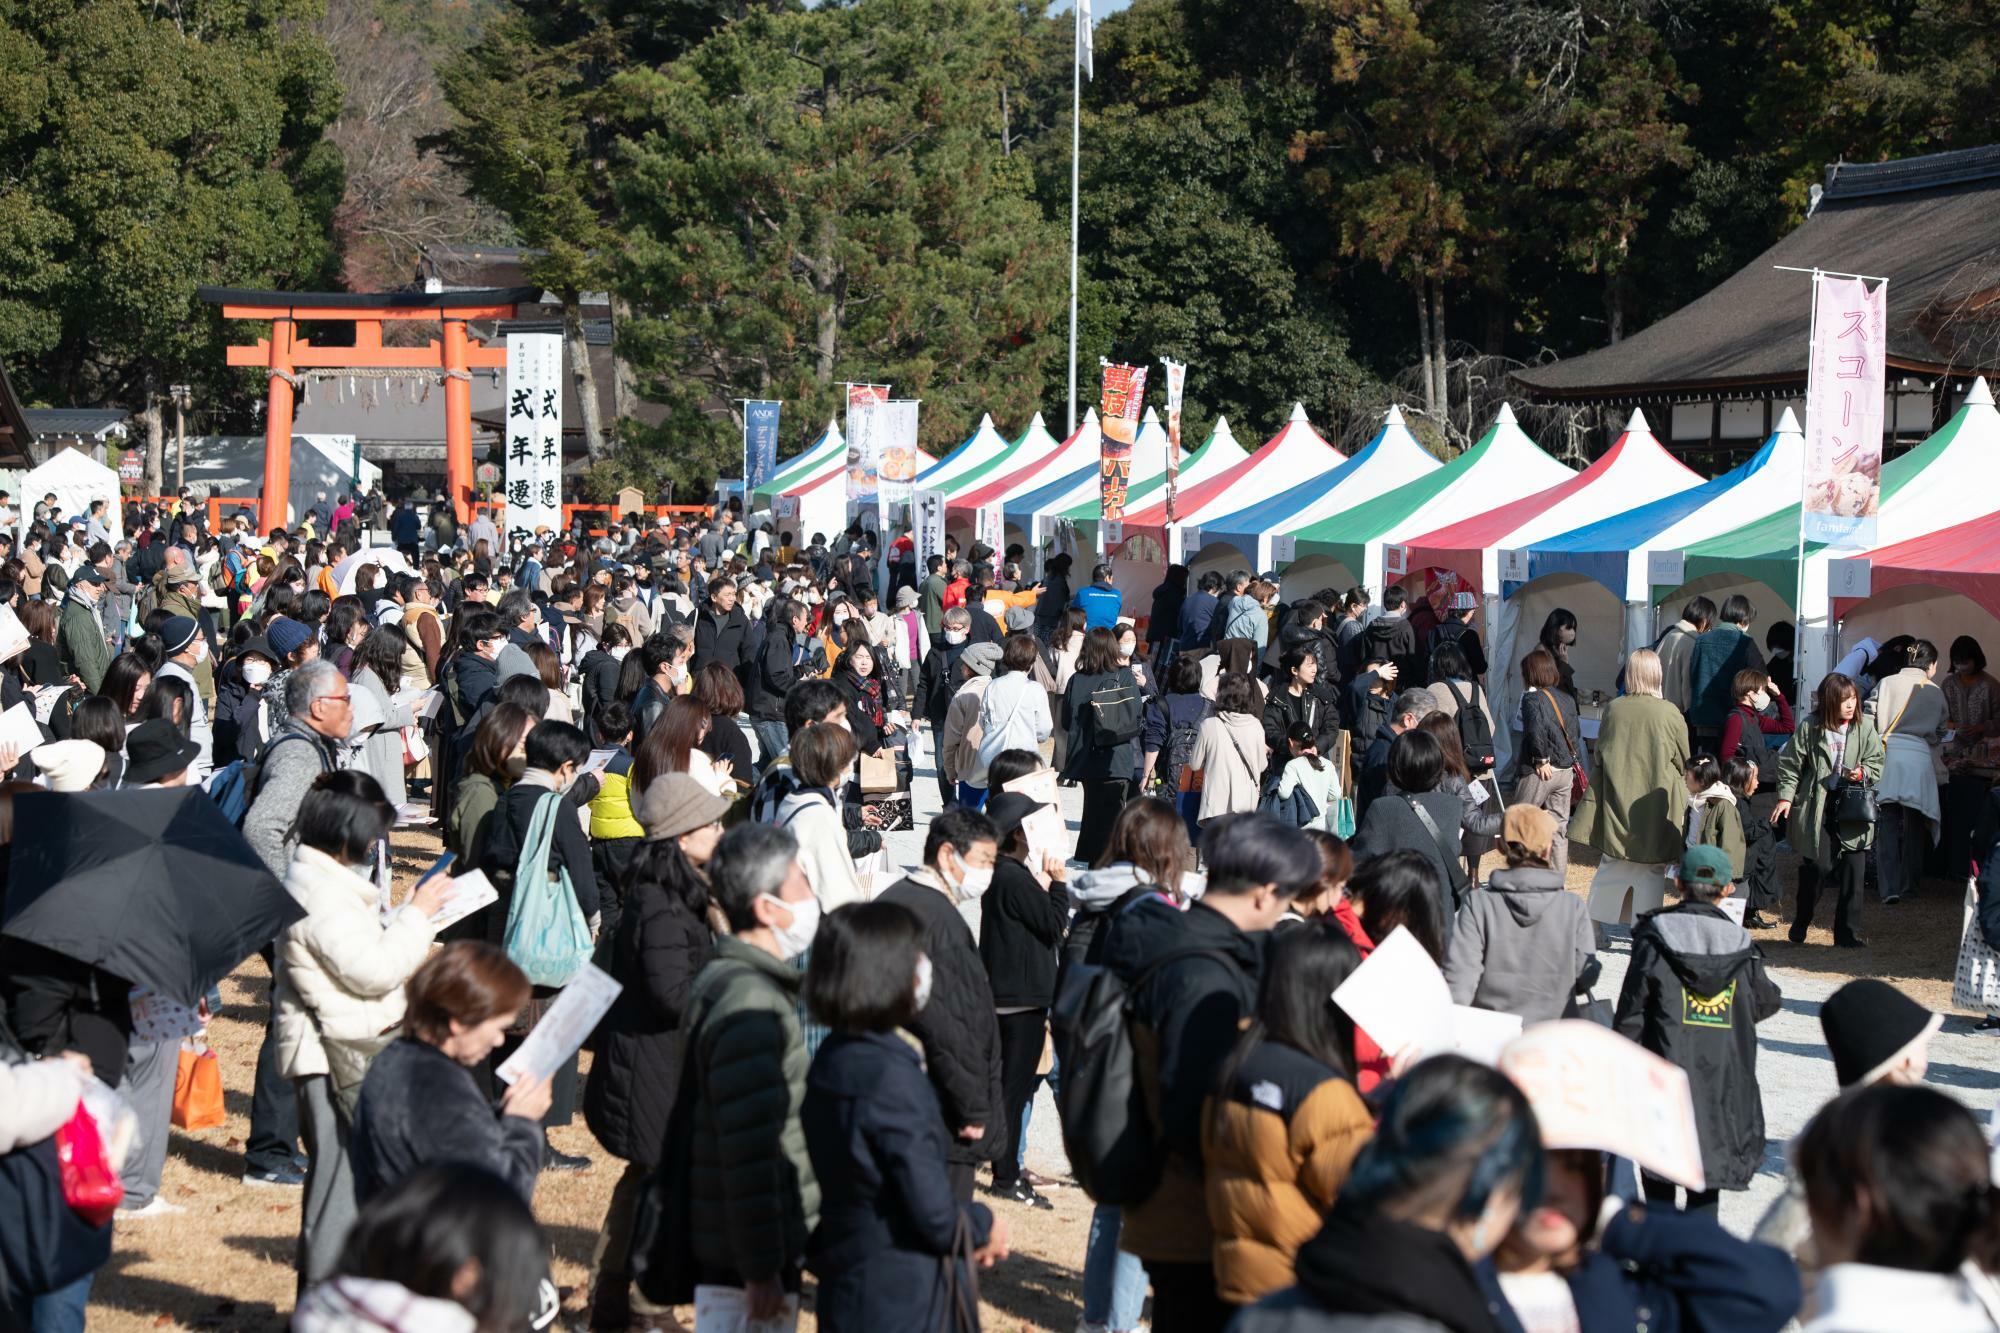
(469,892)
(564,1027)
(19,729)
(1592,1088)
(1046,831)
(1400,998)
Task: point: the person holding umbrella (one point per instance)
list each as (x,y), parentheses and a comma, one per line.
(160,758)
(341,973)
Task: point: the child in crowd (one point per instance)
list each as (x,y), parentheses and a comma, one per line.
(1713,819)
(1307,775)
(1694,994)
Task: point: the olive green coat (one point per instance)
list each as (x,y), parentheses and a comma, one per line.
(1722,828)
(1637,800)
(1802,775)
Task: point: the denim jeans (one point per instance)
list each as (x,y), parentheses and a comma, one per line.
(771,740)
(971,797)
(63,1310)
(1114,1282)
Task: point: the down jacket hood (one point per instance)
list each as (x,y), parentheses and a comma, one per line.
(1705,949)
(1095,890)
(1527,891)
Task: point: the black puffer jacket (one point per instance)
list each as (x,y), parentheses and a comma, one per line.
(960,1038)
(600,678)
(661,944)
(1020,927)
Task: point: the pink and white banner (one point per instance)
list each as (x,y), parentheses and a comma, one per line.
(1844,386)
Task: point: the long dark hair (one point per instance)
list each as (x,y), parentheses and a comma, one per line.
(382,653)
(1399,889)
(660,866)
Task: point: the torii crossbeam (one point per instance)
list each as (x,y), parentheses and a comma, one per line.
(285,353)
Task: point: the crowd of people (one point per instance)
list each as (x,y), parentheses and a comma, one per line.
(678,750)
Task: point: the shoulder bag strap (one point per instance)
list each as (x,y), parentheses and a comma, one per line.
(1891,729)
(1449,852)
(1550,695)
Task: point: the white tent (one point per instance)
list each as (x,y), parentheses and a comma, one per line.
(76,481)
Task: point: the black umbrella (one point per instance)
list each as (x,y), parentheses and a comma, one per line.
(154,886)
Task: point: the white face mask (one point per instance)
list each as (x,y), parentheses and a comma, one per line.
(1127,647)
(973,881)
(1761,700)
(201,650)
(954,637)
(796,938)
(256,673)
(618,653)
(923,982)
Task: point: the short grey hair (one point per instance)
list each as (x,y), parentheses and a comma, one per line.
(1416,700)
(308,684)
(957,617)
(750,860)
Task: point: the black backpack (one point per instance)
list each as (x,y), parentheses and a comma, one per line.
(1475,734)
(1117,708)
(1173,758)
(1110,1095)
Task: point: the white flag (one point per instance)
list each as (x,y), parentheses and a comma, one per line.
(1084,51)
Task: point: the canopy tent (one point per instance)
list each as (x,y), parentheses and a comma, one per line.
(1295,451)
(76,481)
(1072,456)
(1938,484)
(1635,468)
(1035,445)
(830,449)
(1390,459)
(1599,572)
(822,500)
(1937,586)
(1217,454)
(1503,466)
(980,450)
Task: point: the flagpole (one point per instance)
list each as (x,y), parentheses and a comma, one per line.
(1075,151)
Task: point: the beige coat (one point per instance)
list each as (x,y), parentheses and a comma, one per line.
(1229,753)
(958,747)
(341,964)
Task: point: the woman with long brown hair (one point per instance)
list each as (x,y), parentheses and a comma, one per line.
(674,745)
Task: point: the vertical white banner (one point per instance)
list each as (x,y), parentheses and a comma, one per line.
(896,435)
(990,527)
(1844,405)
(929,526)
(532,445)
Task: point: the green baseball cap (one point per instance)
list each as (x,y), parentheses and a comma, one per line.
(1705,865)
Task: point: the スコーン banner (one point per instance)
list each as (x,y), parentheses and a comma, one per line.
(1123,399)
(1843,467)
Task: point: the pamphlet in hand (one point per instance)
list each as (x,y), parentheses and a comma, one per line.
(563,1028)
(1400,999)
(1046,831)
(18,727)
(469,892)
(598,760)
(13,634)
(1592,1088)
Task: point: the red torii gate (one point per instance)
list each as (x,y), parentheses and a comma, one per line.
(285,353)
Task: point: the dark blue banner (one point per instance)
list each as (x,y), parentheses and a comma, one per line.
(760,443)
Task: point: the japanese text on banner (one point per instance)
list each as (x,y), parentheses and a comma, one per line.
(864,445)
(1176,387)
(1843,467)
(760,442)
(533,475)
(896,456)
(1124,397)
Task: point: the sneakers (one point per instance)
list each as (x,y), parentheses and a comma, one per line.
(1021,1192)
(159,1207)
(1038,1181)
(281,1177)
(1757,921)
(562,1161)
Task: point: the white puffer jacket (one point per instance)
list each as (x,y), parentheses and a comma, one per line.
(341,963)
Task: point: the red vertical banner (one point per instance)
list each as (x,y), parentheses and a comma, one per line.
(1124,398)
(1176,386)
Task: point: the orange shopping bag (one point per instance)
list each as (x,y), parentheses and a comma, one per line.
(198,1088)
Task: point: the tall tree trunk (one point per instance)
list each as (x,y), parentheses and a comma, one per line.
(1424,347)
(1438,348)
(832,287)
(1614,305)
(624,397)
(578,349)
(156,441)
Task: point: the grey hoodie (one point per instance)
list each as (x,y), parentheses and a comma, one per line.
(1523,946)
